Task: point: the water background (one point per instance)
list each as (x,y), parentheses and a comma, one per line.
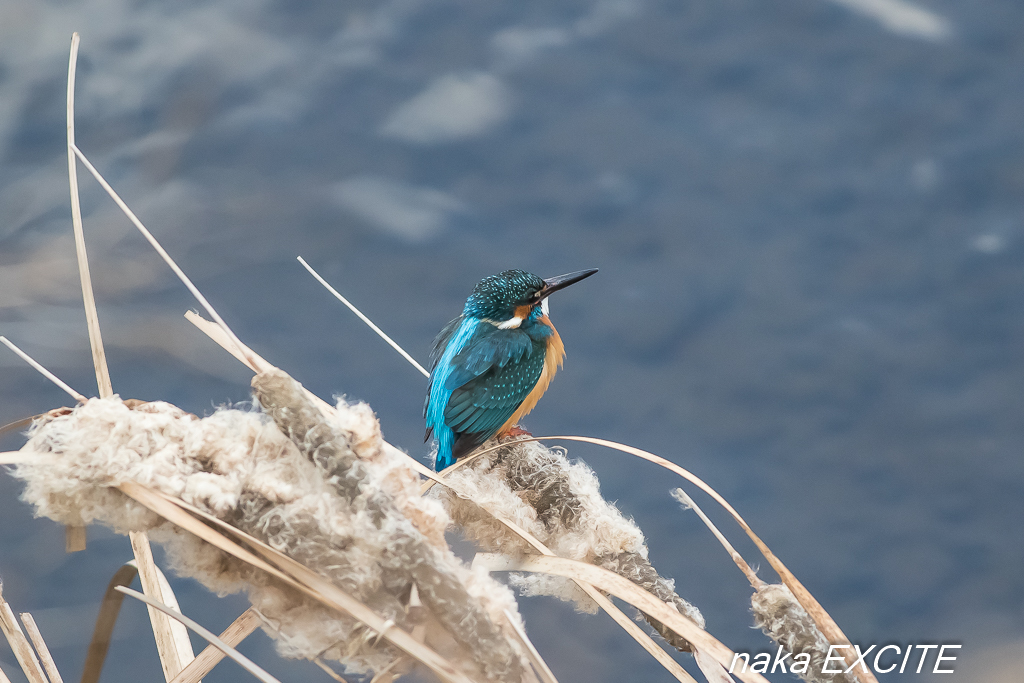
(807,216)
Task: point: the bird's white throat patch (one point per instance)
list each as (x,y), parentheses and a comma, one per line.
(515,321)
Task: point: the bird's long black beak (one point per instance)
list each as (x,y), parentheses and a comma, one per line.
(553,284)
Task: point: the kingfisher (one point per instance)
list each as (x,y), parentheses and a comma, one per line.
(491,365)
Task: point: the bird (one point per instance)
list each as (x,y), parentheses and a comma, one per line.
(490,365)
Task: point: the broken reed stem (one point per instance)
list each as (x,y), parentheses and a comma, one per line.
(330,672)
(99,356)
(240,629)
(689,504)
(43,371)
(74,536)
(362,317)
(19,644)
(44,652)
(172,642)
(231,652)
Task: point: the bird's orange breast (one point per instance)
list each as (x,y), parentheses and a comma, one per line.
(553,358)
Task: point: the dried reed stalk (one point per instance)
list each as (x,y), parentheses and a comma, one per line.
(99,356)
(172,641)
(359,314)
(75,537)
(44,652)
(19,643)
(105,620)
(231,652)
(689,504)
(247,622)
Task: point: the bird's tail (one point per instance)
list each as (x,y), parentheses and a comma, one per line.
(445,442)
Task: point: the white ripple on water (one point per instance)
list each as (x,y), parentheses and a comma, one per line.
(902,17)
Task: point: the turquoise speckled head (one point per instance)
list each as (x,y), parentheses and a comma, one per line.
(497,296)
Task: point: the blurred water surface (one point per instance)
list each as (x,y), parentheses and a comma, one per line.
(807,216)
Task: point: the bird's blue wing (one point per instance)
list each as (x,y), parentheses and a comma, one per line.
(480,375)
(489,348)
(477,409)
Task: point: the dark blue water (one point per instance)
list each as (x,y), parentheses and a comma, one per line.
(808,220)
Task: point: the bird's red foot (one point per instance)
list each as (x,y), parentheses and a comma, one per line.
(517,431)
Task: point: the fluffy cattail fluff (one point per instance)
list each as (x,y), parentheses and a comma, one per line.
(780,616)
(560,503)
(339,500)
